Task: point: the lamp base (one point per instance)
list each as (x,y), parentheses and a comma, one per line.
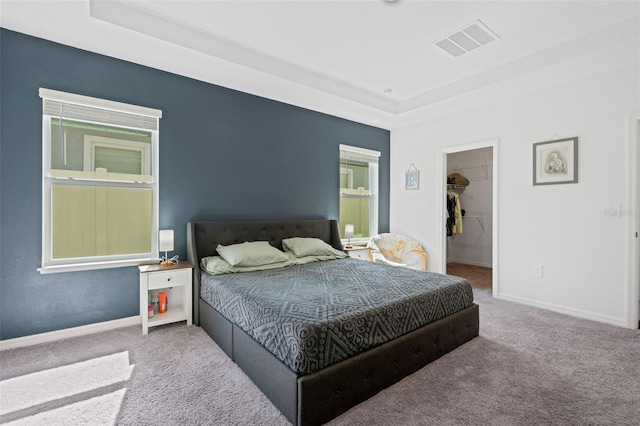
(167,263)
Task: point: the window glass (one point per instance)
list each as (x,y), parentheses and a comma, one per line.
(89,221)
(100,186)
(358,191)
(85,150)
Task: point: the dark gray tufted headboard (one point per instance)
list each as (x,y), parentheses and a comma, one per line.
(204,236)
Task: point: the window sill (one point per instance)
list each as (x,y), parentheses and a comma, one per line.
(73,267)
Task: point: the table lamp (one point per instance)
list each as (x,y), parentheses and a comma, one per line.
(166,245)
(348,233)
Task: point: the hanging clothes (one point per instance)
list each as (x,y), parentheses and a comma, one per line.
(451,211)
(457,229)
(454,210)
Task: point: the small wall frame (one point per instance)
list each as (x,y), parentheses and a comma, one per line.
(555,162)
(412,178)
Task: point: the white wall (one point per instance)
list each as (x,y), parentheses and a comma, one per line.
(565,228)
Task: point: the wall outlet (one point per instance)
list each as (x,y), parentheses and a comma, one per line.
(536,271)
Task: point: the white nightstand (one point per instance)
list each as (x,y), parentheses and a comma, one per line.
(358,252)
(176,282)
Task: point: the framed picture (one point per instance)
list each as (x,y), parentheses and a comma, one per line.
(555,162)
(412,178)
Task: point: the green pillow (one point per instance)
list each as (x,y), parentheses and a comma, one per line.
(254,253)
(309,259)
(303,247)
(216,265)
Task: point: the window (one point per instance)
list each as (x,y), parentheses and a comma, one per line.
(359,191)
(99,183)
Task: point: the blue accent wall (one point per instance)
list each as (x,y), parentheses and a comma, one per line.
(224,154)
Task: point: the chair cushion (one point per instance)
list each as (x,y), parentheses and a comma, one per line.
(397,250)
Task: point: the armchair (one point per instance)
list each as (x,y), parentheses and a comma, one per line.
(397,250)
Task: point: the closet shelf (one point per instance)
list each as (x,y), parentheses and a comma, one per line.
(485,169)
(452,186)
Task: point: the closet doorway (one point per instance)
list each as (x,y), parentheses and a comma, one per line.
(469,246)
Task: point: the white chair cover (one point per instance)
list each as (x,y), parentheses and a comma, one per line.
(397,250)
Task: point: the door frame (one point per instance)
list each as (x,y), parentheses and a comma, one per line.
(633,223)
(486,143)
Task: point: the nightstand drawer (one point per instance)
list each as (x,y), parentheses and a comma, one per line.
(359,253)
(168,279)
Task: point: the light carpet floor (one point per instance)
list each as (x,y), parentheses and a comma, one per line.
(528,367)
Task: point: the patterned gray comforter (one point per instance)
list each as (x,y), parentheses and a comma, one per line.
(311,316)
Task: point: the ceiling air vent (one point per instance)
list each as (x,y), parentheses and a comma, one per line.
(471,37)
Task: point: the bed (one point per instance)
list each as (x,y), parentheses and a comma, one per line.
(311,381)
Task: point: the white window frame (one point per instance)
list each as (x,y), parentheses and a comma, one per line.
(374,177)
(125,112)
(349,173)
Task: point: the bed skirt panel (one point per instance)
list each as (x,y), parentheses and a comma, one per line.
(337,388)
(273,378)
(217,327)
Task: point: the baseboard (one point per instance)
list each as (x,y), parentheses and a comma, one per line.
(52,336)
(468,262)
(619,322)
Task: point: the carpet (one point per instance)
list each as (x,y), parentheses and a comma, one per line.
(527,367)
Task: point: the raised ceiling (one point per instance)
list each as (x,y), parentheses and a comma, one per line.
(338,57)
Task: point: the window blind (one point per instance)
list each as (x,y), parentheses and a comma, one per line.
(352,153)
(84,108)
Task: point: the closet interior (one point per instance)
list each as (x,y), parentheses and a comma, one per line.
(469,215)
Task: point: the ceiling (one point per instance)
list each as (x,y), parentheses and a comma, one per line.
(338,57)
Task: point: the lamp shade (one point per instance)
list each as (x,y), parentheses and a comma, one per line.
(166,240)
(348,230)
